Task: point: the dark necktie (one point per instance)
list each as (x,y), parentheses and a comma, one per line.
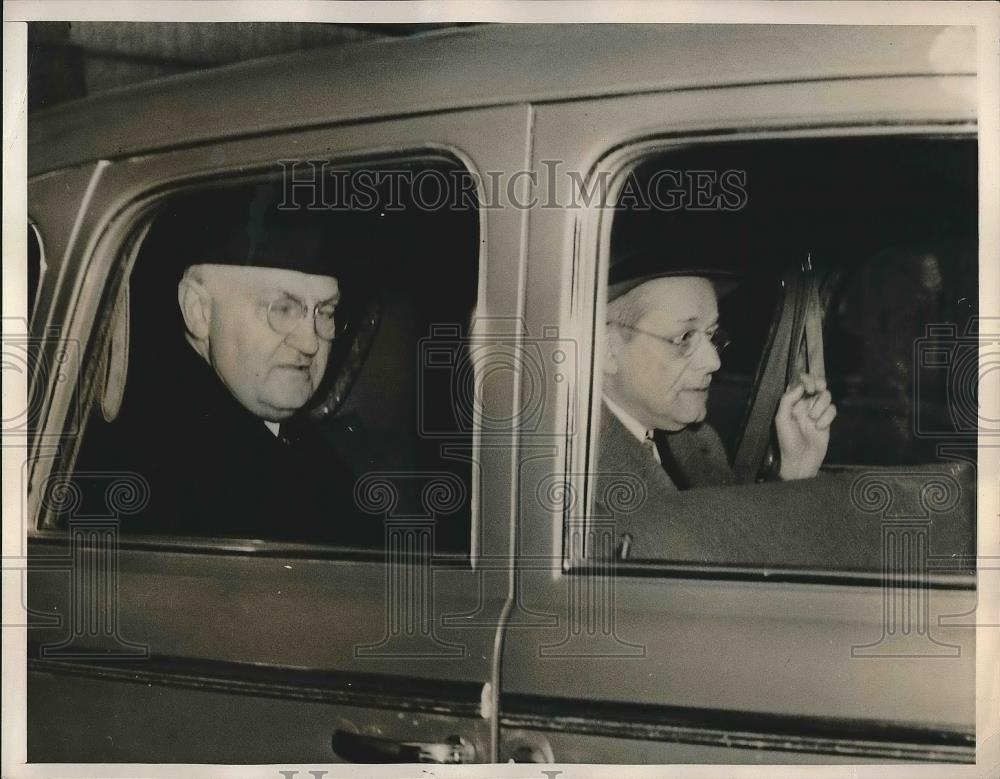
(668,461)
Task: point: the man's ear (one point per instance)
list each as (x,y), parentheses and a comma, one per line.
(196,307)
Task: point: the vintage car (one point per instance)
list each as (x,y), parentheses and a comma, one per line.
(833,168)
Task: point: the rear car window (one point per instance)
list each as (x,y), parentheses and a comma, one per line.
(274,390)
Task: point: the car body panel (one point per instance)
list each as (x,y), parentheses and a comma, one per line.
(251,633)
(481,66)
(708,647)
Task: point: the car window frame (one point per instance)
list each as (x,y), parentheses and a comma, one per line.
(121,235)
(591,253)
(34,234)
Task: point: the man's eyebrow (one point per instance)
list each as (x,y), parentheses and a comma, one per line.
(694,320)
(279,292)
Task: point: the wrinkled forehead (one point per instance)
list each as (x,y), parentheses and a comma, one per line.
(305,286)
(678,299)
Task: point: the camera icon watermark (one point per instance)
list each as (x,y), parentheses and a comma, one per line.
(950,365)
(464,378)
(44,361)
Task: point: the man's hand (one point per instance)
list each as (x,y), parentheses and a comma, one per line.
(803,422)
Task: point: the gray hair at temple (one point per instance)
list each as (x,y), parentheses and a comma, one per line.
(628,309)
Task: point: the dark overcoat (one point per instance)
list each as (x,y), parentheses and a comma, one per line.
(718,521)
(644,516)
(214,468)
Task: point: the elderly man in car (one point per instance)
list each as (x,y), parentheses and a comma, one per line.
(219,435)
(663,346)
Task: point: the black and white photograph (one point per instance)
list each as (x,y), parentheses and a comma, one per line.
(612,387)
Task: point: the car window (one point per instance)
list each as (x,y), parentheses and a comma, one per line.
(850,258)
(274,388)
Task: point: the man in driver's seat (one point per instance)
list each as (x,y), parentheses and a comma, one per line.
(662,349)
(224,452)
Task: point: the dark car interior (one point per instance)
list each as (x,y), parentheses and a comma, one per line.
(886,230)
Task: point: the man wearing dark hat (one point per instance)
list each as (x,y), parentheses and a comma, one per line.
(214,425)
(662,348)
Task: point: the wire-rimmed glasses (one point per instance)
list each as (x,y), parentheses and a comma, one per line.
(285,313)
(686,343)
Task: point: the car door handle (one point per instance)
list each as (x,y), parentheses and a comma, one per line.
(357,748)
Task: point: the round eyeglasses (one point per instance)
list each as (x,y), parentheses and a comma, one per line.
(285,314)
(686,343)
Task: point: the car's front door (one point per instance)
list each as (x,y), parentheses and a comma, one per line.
(740,660)
(235,650)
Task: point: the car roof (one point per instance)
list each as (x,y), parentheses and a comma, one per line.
(483,65)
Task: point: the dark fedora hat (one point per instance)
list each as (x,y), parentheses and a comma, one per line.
(652,245)
(648,263)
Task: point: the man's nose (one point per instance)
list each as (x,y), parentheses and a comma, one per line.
(303,338)
(706,356)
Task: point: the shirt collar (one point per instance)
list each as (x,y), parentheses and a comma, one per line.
(633,425)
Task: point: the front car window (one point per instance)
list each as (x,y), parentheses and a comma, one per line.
(845,259)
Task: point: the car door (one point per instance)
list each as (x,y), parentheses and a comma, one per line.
(237,650)
(716,659)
